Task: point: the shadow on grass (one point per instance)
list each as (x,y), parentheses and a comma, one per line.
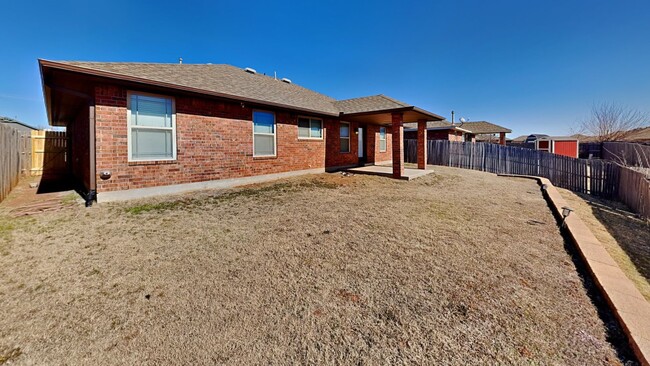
(631,233)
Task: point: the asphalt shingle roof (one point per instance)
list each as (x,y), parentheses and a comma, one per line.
(11,120)
(219,78)
(232,82)
(484,127)
(369,104)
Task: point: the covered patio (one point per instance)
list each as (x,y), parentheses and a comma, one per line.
(392,114)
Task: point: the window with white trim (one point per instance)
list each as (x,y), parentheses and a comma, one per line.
(152,128)
(382,139)
(264,133)
(344,133)
(310,128)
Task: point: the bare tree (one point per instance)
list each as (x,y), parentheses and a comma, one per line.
(613,122)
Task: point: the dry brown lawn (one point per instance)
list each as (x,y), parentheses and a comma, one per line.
(459,267)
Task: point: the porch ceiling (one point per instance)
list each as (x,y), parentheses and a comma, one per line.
(384,117)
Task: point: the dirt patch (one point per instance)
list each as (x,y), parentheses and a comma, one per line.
(453,268)
(626,237)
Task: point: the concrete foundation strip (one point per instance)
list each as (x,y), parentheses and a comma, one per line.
(624,299)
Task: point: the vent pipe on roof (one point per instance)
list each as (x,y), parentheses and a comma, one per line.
(250,70)
(180,60)
(288,81)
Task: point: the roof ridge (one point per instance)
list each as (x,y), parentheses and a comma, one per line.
(394,100)
(138,63)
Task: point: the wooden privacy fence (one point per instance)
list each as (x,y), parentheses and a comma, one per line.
(15,159)
(634,191)
(49,153)
(596,177)
(625,153)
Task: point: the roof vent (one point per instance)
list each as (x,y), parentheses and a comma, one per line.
(250,70)
(288,81)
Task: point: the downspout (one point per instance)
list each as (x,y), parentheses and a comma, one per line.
(92,189)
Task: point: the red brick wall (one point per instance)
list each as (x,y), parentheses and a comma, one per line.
(214,141)
(334,157)
(374,155)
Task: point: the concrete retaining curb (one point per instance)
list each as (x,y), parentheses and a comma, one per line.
(626,302)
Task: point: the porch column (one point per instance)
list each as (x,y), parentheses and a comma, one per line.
(398,144)
(502,138)
(422,144)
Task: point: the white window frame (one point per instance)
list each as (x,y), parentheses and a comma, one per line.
(131,127)
(274,134)
(311,119)
(348,138)
(385,139)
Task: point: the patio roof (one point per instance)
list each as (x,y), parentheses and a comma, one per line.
(377,109)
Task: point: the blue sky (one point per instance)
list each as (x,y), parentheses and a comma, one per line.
(533,66)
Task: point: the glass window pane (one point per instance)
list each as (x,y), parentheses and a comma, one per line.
(264,122)
(345,130)
(263,145)
(382,133)
(151,144)
(316,128)
(303,127)
(345,145)
(151,111)
(382,145)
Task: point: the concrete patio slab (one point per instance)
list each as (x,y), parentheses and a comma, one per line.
(387,171)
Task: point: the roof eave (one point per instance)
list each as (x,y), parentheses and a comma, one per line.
(46,94)
(434,116)
(133,79)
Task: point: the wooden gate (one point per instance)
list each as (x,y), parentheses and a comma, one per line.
(49,153)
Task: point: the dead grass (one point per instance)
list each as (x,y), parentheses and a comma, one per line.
(454,268)
(626,238)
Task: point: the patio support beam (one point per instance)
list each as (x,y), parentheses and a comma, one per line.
(502,138)
(398,144)
(422,144)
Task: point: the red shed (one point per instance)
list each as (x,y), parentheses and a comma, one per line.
(567,146)
(560,145)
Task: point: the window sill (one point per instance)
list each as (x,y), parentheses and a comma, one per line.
(310,139)
(152,162)
(269,157)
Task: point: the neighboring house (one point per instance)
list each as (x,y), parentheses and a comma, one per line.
(640,135)
(480,131)
(437,130)
(24,128)
(139,129)
(484,128)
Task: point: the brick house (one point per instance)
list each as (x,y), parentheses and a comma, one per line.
(138,129)
(481,131)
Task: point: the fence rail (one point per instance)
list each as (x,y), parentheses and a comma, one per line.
(596,177)
(15,159)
